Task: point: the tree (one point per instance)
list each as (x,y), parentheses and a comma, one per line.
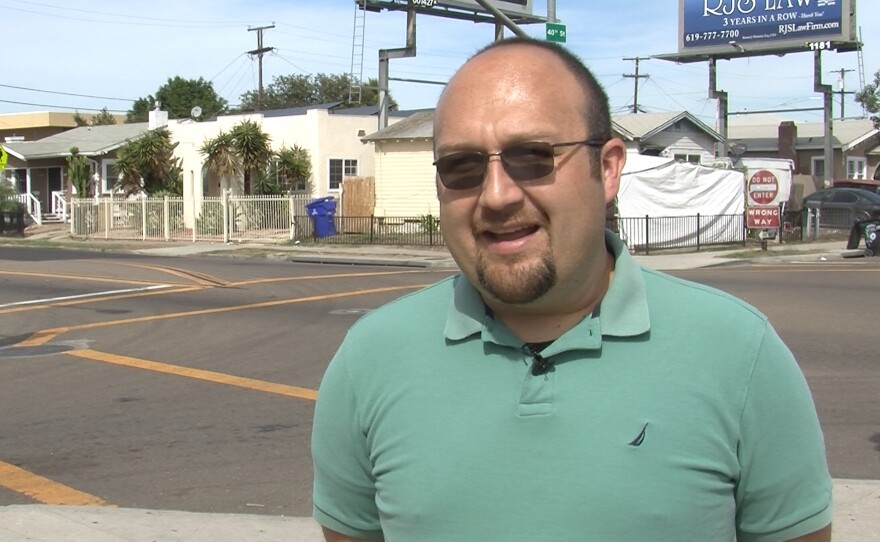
(178,96)
(869,97)
(148,165)
(80,120)
(252,145)
(292,166)
(221,159)
(301,90)
(244,150)
(78,173)
(104,117)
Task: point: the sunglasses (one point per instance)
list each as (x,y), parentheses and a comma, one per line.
(524,161)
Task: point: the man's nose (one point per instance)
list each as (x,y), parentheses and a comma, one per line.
(499,189)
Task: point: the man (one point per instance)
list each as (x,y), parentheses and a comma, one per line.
(555,390)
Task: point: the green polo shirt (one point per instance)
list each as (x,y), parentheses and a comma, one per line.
(673,413)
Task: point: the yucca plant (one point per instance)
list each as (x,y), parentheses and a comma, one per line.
(78,172)
(252,145)
(221,157)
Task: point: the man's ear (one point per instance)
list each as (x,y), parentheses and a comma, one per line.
(613,159)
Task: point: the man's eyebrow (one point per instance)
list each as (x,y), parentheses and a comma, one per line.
(508,141)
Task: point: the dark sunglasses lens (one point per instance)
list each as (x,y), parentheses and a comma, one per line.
(462,170)
(528,161)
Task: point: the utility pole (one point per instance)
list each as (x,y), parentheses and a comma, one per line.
(841,84)
(259,53)
(636,76)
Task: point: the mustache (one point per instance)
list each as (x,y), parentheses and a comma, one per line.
(493,220)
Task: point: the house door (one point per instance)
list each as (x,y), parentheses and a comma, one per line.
(54,185)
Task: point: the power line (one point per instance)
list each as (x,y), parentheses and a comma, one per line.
(62,106)
(173,23)
(68,93)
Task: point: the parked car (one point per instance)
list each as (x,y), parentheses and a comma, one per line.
(870,185)
(841,207)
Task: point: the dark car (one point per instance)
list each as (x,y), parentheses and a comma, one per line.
(841,207)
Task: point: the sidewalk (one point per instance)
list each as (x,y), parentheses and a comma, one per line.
(431,257)
(856,519)
(857,502)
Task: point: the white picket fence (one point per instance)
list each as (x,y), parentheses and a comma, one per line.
(220,219)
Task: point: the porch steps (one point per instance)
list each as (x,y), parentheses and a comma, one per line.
(52,218)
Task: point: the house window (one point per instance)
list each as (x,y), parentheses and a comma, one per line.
(817,166)
(111,176)
(692,158)
(341,168)
(856,168)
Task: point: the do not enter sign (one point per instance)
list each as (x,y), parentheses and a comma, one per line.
(763,187)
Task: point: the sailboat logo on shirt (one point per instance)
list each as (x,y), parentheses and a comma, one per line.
(640,438)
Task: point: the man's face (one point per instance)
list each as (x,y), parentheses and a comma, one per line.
(524,242)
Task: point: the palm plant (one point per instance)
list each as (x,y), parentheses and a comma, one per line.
(221,157)
(148,164)
(252,145)
(292,167)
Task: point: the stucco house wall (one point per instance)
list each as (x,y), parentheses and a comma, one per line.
(326,136)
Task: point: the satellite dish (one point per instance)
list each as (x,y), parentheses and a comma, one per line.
(195,112)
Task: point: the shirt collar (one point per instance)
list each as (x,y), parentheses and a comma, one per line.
(624,309)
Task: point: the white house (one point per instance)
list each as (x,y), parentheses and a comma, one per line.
(677,134)
(332,137)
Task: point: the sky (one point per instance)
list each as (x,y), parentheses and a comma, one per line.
(84,55)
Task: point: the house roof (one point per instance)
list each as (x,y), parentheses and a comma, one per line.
(639,126)
(43,119)
(810,135)
(90,140)
(417,126)
(333,108)
(646,125)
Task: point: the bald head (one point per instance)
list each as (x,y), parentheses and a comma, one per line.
(504,54)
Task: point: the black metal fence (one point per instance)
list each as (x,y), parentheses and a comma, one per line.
(12,223)
(649,233)
(376,230)
(642,234)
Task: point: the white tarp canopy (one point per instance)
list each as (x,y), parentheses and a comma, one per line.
(661,187)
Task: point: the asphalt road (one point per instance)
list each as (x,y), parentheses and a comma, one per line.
(188,383)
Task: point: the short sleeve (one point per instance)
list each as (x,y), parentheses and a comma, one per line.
(784,489)
(344,488)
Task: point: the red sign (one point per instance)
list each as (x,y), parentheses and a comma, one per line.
(763,217)
(763,187)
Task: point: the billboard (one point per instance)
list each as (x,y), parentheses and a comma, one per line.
(729,28)
(515,9)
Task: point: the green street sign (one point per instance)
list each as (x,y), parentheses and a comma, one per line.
(556,32)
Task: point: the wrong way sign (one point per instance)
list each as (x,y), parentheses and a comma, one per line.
(763,217)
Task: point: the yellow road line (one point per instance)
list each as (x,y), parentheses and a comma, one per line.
(41,337)
(335,276)
(233,308)
(199,374)
(42,489)
(200,278)
(86,279)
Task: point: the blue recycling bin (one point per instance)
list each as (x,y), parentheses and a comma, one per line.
(322,212)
